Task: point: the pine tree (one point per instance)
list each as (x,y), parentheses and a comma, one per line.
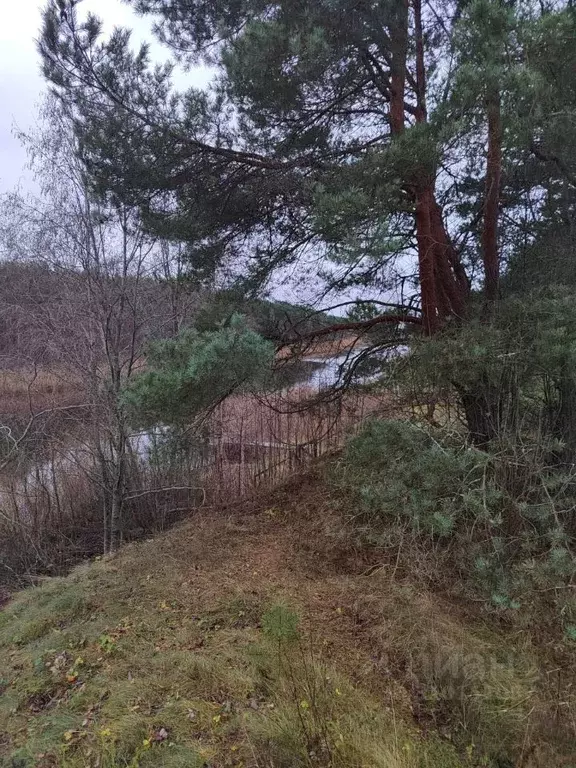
(313,96)
(407,143)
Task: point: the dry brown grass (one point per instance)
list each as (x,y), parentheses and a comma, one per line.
(26,391)
(338,344)
(258,441)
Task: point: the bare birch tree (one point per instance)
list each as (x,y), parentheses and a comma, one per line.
(107,297)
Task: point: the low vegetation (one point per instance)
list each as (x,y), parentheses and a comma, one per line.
(499,523)
(262,635)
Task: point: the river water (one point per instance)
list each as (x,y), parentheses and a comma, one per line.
(77,458)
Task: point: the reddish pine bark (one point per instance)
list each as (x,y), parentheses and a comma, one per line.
(442,279)
(450,270)
(399,51)
(443,284)
(421,190)
(421,114)
(461,278)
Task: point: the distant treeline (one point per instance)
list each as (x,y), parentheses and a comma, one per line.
(42,306)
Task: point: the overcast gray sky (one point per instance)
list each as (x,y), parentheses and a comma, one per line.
(21,82)
(21,87)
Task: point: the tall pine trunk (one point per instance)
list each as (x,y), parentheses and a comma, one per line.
(443,284)
(426,261)
(482,404)
(490,254)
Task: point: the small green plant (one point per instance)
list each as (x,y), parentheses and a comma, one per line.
(193,371)
(281,624)
(107,644)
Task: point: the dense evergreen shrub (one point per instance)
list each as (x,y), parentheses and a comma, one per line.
(398,471)
(504,519)
(194,371)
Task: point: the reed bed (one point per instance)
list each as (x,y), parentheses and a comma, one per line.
(259,441)
(53,503)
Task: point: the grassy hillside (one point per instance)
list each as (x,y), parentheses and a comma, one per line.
(260,636)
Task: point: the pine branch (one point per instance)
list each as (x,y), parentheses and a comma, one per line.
(548,157)
(360,325)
